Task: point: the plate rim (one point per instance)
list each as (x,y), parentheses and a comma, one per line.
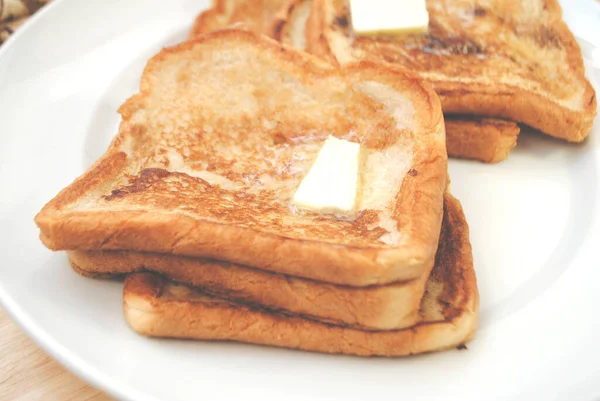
(68,359)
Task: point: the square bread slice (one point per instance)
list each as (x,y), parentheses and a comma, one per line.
(384,307)
(449,310)
(212,149)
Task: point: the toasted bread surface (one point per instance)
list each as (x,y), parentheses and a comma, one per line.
(479,138)
(257,16)
(489,140)
(384,307)
(155,306)
(290,25)
(211,150)
(516,60)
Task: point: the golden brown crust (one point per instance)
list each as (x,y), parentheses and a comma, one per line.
(486,139)
(350,258)
(468,67)
(209,20)
(317,42)
(520,105)
(289,26)
(372,308)
(155,307)
(257,16)
(88,271)
(387,307)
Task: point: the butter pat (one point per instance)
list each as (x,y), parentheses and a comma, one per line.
(331,183)
(389,17)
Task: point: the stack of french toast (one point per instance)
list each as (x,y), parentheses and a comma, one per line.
(194,201)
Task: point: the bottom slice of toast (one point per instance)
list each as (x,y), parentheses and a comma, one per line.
(382,307)
(155,306)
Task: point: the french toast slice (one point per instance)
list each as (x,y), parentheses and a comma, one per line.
(212,149)
(480,138)
(386,307)
(157,307)
(516,60)
(256,15)
(489,140)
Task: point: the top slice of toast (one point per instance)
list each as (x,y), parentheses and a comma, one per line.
(512,59)
(212,149)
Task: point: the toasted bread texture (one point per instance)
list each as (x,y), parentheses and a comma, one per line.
(516,60)
(479,138)
(387,307)
(256,15)
(155,306)
(289,27)
(383,307)
(489,140)
(225,127)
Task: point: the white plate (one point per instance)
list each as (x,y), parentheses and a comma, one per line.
(535,226)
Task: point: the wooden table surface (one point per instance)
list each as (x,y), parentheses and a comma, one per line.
(28,373)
